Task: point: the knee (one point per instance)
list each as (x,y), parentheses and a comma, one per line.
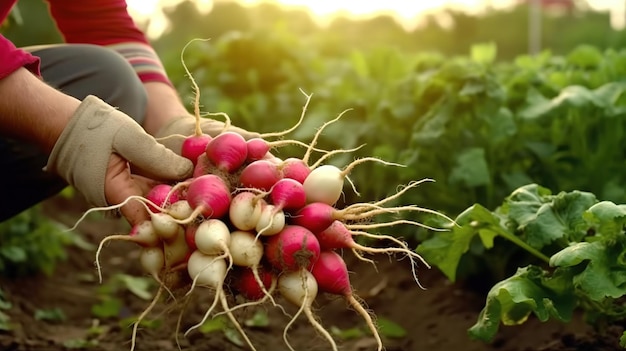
(84,69)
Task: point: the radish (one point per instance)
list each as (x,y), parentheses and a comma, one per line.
(339,236)
(331,275)
(142,234)
(300,288)
(325,183)
(246,251)
(176,250)
(194,146)
(212,237)
(258,148)
(293,248)
(152,260)
(261,174)
(271,221)
(190,236)
(245,210)
(247,284)
(165,226)
(204,166)
(180,210)
(209,195)
(210,271)
(294,168)
(228,151)
(288,194)
(162,196)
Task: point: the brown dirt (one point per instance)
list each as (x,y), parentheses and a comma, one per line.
(435,319)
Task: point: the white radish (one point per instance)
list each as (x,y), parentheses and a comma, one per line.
(180,210)
(210,271)
(212,237)
(245,210)
(300,288)
(271,221)
(165,226)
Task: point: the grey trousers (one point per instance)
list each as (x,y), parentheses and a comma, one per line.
(77,70)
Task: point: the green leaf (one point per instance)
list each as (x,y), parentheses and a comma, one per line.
(445,249)
(14,254)
(545,218)
(607,218)
(211,325)
(53,314)
(140,286)
(511,301)
(471,168)
(346,334)
(390,329)
(260,319)
(602,276)
(107,307)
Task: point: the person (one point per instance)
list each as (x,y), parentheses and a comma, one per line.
(89,112)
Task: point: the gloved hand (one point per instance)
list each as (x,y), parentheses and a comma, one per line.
(170,134)
(83,153)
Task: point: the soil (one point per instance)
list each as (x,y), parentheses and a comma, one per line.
(436,318)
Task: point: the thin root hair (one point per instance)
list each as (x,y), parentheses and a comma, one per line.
(307,155)
(279,134)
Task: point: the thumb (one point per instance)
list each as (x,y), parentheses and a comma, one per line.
(149,157)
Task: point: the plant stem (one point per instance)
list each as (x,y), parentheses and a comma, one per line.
(519,242)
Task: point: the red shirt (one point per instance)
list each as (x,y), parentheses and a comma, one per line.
(100,22)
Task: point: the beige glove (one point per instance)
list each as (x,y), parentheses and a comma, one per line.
(95,131)
(169,135)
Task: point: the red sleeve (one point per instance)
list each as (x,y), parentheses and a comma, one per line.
(12,58)
(101,22)
(108,23)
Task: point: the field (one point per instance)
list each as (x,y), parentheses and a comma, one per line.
(433,319)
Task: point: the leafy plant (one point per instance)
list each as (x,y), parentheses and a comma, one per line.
(30,243)
(577,245)
(110,305)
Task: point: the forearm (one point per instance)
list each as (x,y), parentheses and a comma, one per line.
(32,110)
(164,104)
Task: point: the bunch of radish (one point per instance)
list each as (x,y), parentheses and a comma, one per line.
(262,227)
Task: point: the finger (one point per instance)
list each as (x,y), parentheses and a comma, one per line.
(119,186)
(150,158)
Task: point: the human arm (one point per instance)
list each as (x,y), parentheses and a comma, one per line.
(91,144)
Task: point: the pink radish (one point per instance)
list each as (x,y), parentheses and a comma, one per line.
(245,210)
(300,288)
(295,247)
(261,174)
(247,284)
(204,166)
(194,146)
(339,236)
(294,168)
(258,148)
(288,194)
(228,151)
(190,236)
(209,195)
(331,274)
(161,196)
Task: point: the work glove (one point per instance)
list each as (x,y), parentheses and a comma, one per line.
(96,131)
(172,134)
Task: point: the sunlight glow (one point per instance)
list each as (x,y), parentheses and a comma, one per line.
(408,12)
